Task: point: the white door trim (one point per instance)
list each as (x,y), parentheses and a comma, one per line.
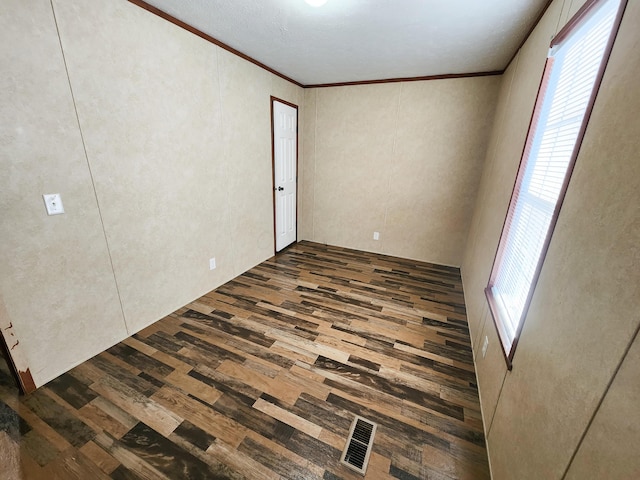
(277,194)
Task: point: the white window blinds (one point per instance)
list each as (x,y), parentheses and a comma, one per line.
(572,70)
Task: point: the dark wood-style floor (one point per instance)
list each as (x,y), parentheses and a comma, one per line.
(261,379)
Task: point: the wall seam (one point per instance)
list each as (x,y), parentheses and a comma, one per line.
(226,164)
(495,410)
(393,158)
(315,163)
(600,402)
(86,156)
(489,163)
(491,166)
(562,11)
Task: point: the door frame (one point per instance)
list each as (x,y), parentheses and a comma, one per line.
(273,168)
(23,379)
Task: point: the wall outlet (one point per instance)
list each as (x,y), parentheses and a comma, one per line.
(376,235)
(53,202)
(212,263)
(485,345)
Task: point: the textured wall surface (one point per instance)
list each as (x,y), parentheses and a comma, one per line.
(167,164)
(573,351)
(57,285)
(402,159)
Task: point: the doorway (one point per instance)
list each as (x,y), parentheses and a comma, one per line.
(12,352)
(284,145)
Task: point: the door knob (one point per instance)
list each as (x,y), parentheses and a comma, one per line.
(280,189)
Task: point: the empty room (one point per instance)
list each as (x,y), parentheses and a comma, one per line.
(306,239)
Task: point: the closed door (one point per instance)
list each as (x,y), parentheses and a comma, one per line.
(285,163)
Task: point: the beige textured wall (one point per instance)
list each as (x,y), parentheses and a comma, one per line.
(610,448)
(584,314)
(56,282)
(308,167)
(175,169)
(402,159)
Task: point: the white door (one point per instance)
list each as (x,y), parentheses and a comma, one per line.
(285,159)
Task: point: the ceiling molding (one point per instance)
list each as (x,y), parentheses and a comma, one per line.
(209,38)
(407,79)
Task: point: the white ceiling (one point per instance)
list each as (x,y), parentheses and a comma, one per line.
(358,40)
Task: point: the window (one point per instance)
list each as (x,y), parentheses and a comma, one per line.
(571,78)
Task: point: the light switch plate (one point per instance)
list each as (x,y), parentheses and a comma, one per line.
(212,263)
(53,202)
(376,235)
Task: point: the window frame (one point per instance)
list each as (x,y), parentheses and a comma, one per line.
(507,344)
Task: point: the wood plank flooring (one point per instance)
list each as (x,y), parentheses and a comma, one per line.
(261,378)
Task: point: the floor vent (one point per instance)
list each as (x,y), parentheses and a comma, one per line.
(358,448)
